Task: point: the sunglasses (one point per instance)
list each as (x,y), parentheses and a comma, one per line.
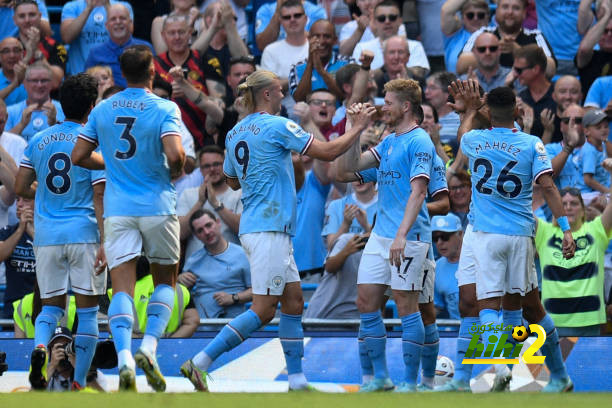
(491,48)
(608,31)
(577,119)
(382,18)
(479,15)
(520,70)
(571,191)
(295,16)
(242,59)
(445,236)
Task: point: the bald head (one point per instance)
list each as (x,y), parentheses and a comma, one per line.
(119,23)
(567,91)
(11,52)
(395,54)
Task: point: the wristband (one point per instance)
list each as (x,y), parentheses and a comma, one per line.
(563,223)
(568,149)
(199,98)
(219,207)
(365,68)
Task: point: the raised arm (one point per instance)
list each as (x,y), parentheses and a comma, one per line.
(606,216)
(592,37)
(71,28)
(449,22)
(270,34)
(585,16)
(553,199)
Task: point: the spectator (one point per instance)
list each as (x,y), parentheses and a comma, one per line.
(457,31)
(268,27)
(569,285)
(8,27)
(360,29)
(184,319)
(558,22)
(336,293)
(436,93)
(281,55)
(460,194)
(530,68)
(565,155)
(447,234)
(12,143)
(489,73)
(26,310)
(104,76)
(213,195)
(312,184)
(218,274)
(38,111)
(27,18)
(386,24)
(120,27)
(594,63)
(317,115)
(221,41)
(595,179)
(396,54)
(83,27)
(179,7)
(239,11)
(431,124)
(566,92)
(13,71)
(176,32)
(352,79)
(510,15)
(16,251)
(317,71)
(353,214)
(600,95)
(240,68)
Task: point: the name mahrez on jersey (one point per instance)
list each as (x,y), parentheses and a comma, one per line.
(505,147)
(128,103)
(56,137)
(250,128)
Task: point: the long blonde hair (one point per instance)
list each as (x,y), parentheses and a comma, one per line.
(252,85)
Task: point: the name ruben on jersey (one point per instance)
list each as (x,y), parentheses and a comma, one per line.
(127,103)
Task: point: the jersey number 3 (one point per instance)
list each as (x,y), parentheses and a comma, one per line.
(504,178)
(126,135)
(61,173)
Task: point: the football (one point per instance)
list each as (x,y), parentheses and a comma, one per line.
(445,370)
(520,333)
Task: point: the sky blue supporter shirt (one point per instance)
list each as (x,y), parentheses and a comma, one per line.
(401,159)
(93,32)
(259,156)
(570,175)
(557,20)
(590,162)
(446,289)
(309,249)
(38,121)
(17,95)
(334,215)
(227,272)
(504,164)
(129,127)
(64,209)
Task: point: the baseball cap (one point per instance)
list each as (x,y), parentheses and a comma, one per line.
(61,332)
(446,223)
(593,117)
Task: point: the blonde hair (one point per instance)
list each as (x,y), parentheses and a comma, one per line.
(407,90)
(254,83)
(98,68)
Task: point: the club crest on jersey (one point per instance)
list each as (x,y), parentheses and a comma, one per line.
(292,127)
(390,150)
(540,148)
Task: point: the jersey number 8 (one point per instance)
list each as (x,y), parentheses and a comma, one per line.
(62,173)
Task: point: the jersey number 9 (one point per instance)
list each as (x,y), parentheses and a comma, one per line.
(242,156)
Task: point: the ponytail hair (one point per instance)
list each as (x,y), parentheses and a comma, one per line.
(252,85)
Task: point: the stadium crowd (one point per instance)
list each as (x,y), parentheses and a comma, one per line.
(327,56)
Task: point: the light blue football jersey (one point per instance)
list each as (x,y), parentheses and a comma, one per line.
(504,163)
(64,210)
(334,214)
(129,127)
(259,156)
(401,159)
(437,177)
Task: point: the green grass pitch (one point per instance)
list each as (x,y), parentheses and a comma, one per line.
(300,400)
